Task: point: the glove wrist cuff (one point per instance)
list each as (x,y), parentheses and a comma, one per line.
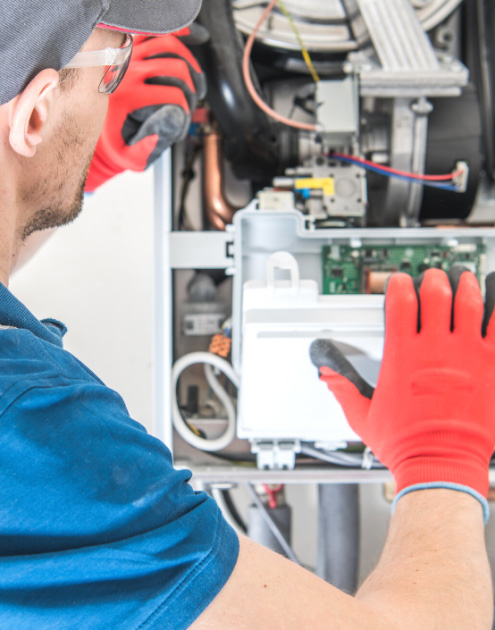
(447,486)
(467,470)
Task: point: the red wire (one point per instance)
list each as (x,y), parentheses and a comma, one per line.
(272,494)
(431,178)
(249,83)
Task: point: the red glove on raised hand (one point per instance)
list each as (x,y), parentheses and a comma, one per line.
(431,418)
(150,110)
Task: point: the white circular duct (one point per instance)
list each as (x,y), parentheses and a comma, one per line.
(323,24)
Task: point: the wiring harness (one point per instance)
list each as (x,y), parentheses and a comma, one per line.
(457,179)
(247,74)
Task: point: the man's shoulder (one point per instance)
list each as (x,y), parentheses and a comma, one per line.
(44,387)
(92,498)
(28,361)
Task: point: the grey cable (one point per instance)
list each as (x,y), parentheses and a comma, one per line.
(271,524)
(339,459)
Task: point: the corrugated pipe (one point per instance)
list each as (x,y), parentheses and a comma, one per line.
(338,535)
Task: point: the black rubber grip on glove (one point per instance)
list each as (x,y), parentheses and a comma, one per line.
(169,123)
(454,275)
(324,353)
(489,300)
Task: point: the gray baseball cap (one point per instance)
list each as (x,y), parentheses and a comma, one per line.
(39,34)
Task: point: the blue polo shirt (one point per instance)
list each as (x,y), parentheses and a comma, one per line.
(97,530)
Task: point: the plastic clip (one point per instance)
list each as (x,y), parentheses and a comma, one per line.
(368,457)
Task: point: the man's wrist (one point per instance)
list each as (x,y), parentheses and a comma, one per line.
(446,486)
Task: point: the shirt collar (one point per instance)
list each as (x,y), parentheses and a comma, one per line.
(14,313)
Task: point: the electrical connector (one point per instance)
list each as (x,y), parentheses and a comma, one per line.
(220,345)
(460,180)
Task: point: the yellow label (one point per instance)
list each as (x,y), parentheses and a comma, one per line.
(326,184)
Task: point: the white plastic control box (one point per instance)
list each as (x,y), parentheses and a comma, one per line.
(281,397)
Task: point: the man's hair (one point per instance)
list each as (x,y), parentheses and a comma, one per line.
(68,78)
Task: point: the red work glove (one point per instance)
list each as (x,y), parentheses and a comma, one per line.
(150,110)
(431,418)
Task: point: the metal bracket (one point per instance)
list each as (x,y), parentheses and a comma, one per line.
(401,62)
(200,250)
(409,135)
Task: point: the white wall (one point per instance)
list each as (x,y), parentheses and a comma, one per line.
(95,275)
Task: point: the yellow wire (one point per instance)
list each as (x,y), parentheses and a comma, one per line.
(194,429)
(304,50)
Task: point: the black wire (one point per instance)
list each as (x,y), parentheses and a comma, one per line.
(304,99)
(240,458)
(231,507)
(188,174)
(485,87)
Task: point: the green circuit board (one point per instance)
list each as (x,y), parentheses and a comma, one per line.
(356,270)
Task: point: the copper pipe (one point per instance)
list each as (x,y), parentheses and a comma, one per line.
(219,211)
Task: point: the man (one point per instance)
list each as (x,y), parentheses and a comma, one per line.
(96,529)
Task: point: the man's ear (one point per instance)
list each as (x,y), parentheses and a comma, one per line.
(30,111)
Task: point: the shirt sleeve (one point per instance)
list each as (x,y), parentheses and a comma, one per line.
(97,529)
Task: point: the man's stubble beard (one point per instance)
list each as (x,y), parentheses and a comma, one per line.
(60,206)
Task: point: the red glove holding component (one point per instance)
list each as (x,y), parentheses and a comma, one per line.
(150,110)
(430,419)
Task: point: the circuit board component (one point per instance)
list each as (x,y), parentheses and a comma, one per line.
(366,269)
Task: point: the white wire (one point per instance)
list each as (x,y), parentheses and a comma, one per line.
(431,18)
(222,396)
(207,359)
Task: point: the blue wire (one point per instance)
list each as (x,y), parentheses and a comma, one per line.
(377,169)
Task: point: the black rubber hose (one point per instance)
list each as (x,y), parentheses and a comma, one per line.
(338,535)
(485,72)
(252,141)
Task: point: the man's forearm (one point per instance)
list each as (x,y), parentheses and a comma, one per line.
(434,571)
(433,575)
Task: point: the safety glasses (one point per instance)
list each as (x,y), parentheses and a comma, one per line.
(116,60)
